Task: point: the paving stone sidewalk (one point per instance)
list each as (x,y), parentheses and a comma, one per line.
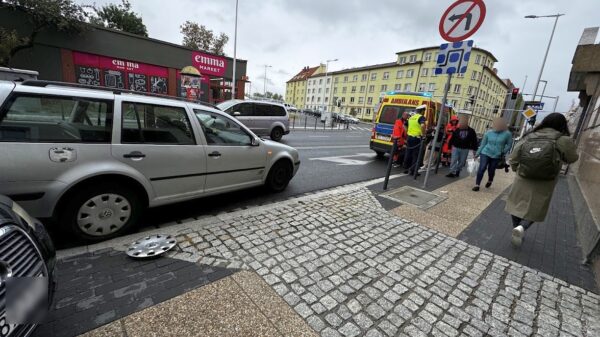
(349,268)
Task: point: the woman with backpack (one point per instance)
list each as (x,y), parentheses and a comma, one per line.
(537,159)
(495,144)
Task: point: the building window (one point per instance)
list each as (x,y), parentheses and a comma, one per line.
(335,90)
(433,72)
(386,75)
(384,87)
(412,59)
(398,86)
(321,81)
(326,90)
(369,100)
(473,75)
(466,105)
(318,99)
(477,59)
(307,99)
(402,60)
(364,77)
(371,88)
(353,89)
(345,79)
(407,87)
(400,74)
(319,91)
(326,99)
(427,57)
(361,100)
(368,111)
(351,99)
(373,76)
(336,80)
(328,80)
(470,90)
(454,102)
(424,72)
(421,87)
(362,88)
(344,89)
(431,86)
(410,73)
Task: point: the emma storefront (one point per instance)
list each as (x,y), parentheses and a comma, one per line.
(109,58)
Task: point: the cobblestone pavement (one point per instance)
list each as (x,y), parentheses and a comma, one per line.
(351,269)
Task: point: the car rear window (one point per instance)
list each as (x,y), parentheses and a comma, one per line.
(390,113)
(56,119)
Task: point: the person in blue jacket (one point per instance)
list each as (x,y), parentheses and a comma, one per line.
(495,145)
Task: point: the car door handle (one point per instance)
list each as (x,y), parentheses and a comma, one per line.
(134,155)
(215,154)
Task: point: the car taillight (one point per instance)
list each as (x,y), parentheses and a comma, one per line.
(373,133)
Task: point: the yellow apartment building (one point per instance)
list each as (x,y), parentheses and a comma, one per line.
(357,91)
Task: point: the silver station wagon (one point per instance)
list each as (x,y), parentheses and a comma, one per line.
(94,159)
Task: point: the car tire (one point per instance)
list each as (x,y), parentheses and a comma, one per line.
(380,154)
(277,134)
(279,176)
(101,205)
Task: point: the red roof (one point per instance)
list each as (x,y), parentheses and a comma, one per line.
(305,73)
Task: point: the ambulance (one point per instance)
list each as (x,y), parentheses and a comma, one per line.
(393,105)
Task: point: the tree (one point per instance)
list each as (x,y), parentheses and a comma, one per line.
(120,17)
(199,37)
(62,15)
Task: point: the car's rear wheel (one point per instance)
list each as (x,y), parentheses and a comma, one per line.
(97,213)
(279,176)
(277,134)
(380,154)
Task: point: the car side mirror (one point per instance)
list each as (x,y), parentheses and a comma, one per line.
(237,113)
(255,141)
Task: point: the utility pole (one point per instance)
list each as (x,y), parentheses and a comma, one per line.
(233,79)
(265,84)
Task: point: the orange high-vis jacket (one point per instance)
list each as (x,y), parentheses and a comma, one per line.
(399,132)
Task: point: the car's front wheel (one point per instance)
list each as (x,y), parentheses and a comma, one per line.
(101,212)
(277,134)
(279,176)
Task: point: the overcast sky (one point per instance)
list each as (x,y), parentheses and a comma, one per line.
(291,34)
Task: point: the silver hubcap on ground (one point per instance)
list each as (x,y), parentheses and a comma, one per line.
(103,214)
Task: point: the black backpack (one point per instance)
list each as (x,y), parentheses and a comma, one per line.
(539,158)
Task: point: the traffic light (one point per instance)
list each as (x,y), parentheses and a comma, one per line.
(515,93)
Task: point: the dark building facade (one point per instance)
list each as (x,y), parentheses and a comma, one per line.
(110,58)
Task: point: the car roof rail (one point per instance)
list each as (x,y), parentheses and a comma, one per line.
(116,91)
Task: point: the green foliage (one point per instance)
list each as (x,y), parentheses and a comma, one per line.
(269,95)
(62,15)
(199,37)
(120,17)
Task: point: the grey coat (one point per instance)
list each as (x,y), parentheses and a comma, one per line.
(529,199)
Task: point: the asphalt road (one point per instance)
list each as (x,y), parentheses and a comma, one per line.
(329,159)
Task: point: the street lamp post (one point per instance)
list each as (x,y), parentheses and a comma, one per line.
(326,74)
(265,84)
(543,90)
(233,81)
(537,83)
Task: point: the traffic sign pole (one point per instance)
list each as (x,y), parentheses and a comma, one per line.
(437,129)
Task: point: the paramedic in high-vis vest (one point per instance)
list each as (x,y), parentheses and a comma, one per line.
(416,132)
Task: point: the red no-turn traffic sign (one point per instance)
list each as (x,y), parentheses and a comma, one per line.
(462,19)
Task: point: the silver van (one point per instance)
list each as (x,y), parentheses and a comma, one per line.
(262,117)
(94,159)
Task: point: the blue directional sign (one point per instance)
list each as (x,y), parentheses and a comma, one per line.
(454,57)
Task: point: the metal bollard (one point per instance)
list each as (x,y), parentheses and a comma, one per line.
(389,165)
(316,123)
(294,122)
(305,121)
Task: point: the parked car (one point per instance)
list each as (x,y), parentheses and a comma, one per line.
(353,120)
(290,108)
(25,251)
(93,160)
(263,118)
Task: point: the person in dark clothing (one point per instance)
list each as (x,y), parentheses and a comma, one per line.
(463,139)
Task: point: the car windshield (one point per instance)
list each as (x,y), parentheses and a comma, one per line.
(226,105)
